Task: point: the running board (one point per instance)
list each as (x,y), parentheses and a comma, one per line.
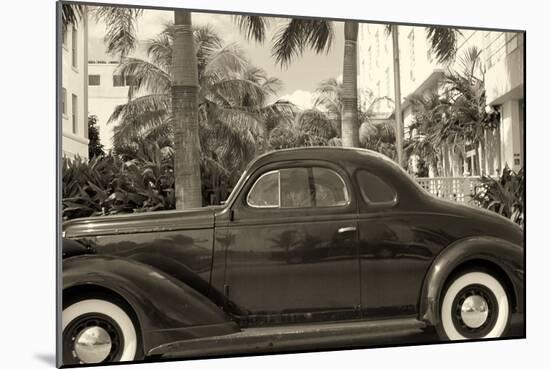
(293,337)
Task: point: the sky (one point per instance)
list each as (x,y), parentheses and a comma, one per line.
(300,78)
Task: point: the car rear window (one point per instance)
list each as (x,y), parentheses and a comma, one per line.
(375,190)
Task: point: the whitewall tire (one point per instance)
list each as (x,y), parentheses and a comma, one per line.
(96,331)
(475,305)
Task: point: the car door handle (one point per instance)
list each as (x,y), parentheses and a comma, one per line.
(346,230)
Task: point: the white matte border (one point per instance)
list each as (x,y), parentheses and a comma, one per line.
(27,182)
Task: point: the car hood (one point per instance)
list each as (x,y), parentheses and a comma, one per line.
(200,218)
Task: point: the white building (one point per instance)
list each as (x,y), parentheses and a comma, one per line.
(504,82)
(74,90)
(106,89)
(421,73)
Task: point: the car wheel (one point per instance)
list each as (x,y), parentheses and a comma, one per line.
(475,305)
(97,331)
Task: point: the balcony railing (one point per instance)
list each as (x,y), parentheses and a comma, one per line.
(459,189)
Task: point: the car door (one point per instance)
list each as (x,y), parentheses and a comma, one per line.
(291,250)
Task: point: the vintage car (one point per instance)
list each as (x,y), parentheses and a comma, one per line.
(315,247)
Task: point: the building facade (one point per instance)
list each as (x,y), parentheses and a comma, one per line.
(504,81)
(422,74)
(107,89)
(74,89)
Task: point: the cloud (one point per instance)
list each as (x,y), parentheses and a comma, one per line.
(302,99)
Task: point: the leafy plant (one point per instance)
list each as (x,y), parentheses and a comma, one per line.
(109,185)
(504,195)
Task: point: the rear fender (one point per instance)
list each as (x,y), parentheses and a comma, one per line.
(508,257)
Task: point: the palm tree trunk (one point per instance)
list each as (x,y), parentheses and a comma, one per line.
(397,93)
(350,126)
(185,113)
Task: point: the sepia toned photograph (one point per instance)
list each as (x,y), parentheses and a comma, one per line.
(246,184)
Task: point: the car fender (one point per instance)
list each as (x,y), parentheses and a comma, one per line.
(504,254)
(167,309)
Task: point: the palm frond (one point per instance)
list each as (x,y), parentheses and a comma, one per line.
(121,24)
(444,42)
(470,62)
(71,14)
(159,50)
(292,38)
(139,115)
(228,60)
(145,76)
(252,26)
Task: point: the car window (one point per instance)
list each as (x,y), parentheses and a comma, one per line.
(299,188)
(265,192)
(374,190)
(295,189)
(330,188)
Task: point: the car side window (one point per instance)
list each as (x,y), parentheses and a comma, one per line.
(265,192)
(295,189)
(374,189)
(299,188)
(330,188)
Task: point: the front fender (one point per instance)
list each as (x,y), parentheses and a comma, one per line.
(167,309)
(506,255)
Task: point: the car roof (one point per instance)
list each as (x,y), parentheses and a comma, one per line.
(328,153)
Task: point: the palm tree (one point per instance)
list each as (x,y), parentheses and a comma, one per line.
(234,109)
(378,136)
(427,143)
(184,91)
(350,124)
(448,123)
(295,36)
(310,127)
(328,97)
(443,43)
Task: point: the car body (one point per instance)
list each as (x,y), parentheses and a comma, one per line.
(350,237)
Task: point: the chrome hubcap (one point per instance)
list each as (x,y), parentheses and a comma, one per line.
(93,345)
(474,311)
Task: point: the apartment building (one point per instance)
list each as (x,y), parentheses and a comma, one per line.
(502,55)
(74,89)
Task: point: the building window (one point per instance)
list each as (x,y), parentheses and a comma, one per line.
(118,81)
(412,55)
(74,41)
(64,101)
(75,113)
(64,36)
(130,81)
(94,80)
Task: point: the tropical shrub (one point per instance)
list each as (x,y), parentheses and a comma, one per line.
(504,195)
(109,185)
